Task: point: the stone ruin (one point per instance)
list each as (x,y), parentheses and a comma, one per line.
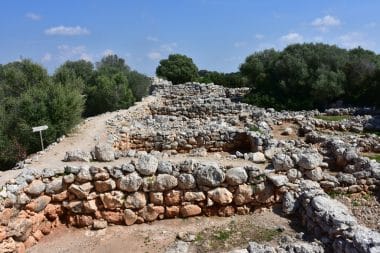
(160,164)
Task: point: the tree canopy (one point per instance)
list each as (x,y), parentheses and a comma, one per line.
(178,69)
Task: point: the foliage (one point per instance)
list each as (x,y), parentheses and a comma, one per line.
(139,84)
(232,80)
(308,76)
(332,117)
(178,69)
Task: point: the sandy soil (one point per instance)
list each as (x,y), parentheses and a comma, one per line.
(154,237)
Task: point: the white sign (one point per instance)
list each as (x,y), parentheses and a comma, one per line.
(39,128)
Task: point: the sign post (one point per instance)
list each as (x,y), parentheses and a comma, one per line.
(40,129)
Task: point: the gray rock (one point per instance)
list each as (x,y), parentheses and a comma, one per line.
(84,175)
(77,156)
(186,166)
(147,165)
(289,203)
(236,176)
(346,179)
(135,200)
(81,191)
(220,195)
(257,157)
(178,247)
(310,160)
(209,175)
(115,171)
(315,174)
(282,162)
(165,182)
(72,169)
(258,248)
(186,181)
(130,182)
(164,167)
(20,228)
(55,186)
(366,240)
(128,168)
(99,224)
(278,180)
(68,179)
(35,188)
(104,153)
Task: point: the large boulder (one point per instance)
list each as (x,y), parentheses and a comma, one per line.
(135,200)
(186,181)
(236,176)
(35,188)
(77,156)
(282,162)
(104,153)
(220,195)
(209,175)
(130,183)
(147,165)
(310,160)
(165,182)
(20,228)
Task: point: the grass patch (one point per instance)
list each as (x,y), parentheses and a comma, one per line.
(373,156)
(235,234)
(332,117)
(223,235)
(254,129)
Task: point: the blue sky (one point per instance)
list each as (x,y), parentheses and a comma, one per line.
(217,34)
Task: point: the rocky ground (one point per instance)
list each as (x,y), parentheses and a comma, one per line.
(194,139)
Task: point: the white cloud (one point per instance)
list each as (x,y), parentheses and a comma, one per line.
(371,25)
(33,16)
(67,52)
(259,36)
(67,30)
(152,38)
(292,38)
(108,52)
(240,44)
(325,22)
(46,58)
(169,47)
(154,56)
(355,39)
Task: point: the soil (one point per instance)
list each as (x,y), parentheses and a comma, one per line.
(159,235)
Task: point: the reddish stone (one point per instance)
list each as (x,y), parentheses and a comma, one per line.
(226,211)
(173,197)
(53,211)
(242,210)
(20,247)
(38,235)
(190,210)
(37,219)
(171,211)
(81,220)
(60,196)
(148,213)
(113,217)
(3,233)
(6,215)
(45,227)
(31,241)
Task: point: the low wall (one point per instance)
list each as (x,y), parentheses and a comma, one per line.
(141,191)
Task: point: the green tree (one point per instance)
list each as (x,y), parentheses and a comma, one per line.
(139,84)
(178,69)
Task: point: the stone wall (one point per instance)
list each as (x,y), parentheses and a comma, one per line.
(142,190)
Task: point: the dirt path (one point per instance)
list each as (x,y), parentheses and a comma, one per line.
(157,236)
(84,137)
